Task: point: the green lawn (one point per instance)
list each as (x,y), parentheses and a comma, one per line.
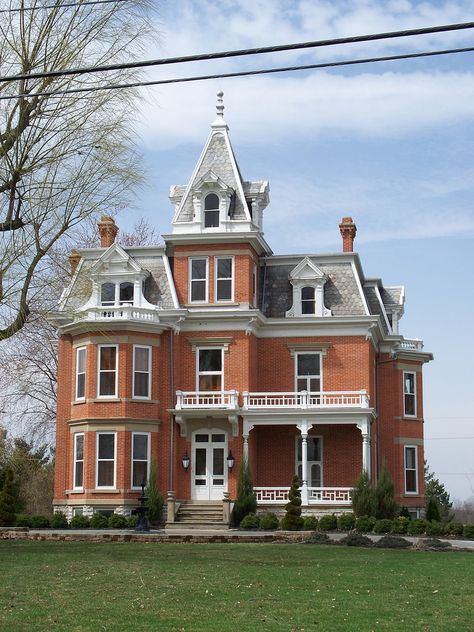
(217,587)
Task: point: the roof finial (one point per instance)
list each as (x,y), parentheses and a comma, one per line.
(219,122)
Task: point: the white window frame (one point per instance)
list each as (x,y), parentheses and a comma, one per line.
(117,302)
(115,395)
(405,414)
(254,285)
(98,434)
(304,301)
(76,460)
(204,210)
(298,353)
(232,279)
(415,469)
(198,349)
(84,373)
(190,284)
(150,363)
(148,455)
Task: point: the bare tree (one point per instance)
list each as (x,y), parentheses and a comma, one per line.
(63,157)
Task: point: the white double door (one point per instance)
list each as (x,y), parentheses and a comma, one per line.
(209,464)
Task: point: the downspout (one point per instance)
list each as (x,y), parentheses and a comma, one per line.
(172,395)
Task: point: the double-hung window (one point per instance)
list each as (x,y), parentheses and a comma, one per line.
(81,373)
(198,280)
(106,456)
(308,302)
(211,211)
(117,294)
(78,482)
(308,372)
(108,361)
(411,469)
(140,458)
(141,372)
(210,370)
(409,394)
(224,271)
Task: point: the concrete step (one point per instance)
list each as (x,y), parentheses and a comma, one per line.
(206,526)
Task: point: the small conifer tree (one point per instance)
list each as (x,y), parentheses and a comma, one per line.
(246,501)
(7,501)
(363,496)
(432,510)
(385,507)
(155,498)
(292,520)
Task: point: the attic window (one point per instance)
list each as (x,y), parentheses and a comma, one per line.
(308,302)
(249,205)
(110,292)
(211,211)
(126,293)
(107,294)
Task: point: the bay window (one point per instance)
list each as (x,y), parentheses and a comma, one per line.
(78,481)
(141,372)
(106,457)
(81,373)
(107,365)
(140,458)
(411,469)
(409,394)
(224,271)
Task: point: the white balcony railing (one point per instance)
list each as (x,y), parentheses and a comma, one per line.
(335,399)
(124,312)
(316,495)
(207,399)
(408,344)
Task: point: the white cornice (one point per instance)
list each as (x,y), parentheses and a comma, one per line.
(256,239)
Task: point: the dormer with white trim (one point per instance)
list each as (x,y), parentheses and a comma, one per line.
(216,199)
(308,282)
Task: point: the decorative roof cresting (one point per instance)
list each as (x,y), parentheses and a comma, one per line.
(219,122)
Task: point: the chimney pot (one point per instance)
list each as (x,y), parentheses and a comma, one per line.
(74,259)
(107,230)
(348,232)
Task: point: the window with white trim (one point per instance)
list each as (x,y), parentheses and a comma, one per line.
(141,372)
(140,458)
(254,285)
(308,300)
(308,372)
(409,394)
(106,457)
(224,271)
(81,373)
(117,293)
(210,369)
(107,367)
(78,482)
(411,469)
(198,280)
(211,211)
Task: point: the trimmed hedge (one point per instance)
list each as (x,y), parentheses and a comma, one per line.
(468,531)
(365,524)
(40,522)
(250,521)
(99,521)
(116,521)
(269,521)
(434,528)
(23,520)
(59,521)
(383,526)
(346,522)
(328,523)
(310,523)
(417,527)
(80,522)
(400,524)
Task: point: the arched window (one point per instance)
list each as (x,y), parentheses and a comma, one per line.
(211,211)
(307,300)
(107,294)
(126,293)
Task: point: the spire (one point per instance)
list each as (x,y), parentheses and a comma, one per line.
(219,123)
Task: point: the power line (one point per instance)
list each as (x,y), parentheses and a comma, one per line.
(242,52)
(61,6)
(445,438)
(245,73)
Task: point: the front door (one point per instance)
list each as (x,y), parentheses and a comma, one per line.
(208,466)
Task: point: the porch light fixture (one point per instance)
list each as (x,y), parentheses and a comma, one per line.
(230,461)
(186,460)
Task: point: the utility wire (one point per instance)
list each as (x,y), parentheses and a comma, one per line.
(245,73)
(61,6)
(242,52)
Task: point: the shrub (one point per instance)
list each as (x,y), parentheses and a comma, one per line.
(310,523)
(154,500)
(250,521)
(292,520)
(246,501)
(385,504)
(40,522)
(132,521)
(80,522)
(417,527)
(432,510)
(328,523)
(269,521)
(400,524)
(362,495)
(383,526)
(455,528)
(7,501)
(346,522)
(432,544)
(356,539)
(468,531)
(99,521)
(364,524)
(434,528)
(404,513)
(23,521)
(116,521)
(59,521)
(318,537)
(393,542)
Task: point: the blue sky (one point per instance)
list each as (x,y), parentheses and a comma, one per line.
(389,144)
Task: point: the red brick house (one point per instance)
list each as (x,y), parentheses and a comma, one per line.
(210,347)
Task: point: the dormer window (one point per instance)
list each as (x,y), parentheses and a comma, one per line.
(211,211)
(117,293)
(308,290)
(107,294)
(308,302)
(126,293)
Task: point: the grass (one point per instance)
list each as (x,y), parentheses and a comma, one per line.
(79,586)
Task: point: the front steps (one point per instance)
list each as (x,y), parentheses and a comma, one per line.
(198,515)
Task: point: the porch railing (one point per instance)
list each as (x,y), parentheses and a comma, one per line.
(304,399)
(411,344)
(123,312)
(316,495)
(207,399)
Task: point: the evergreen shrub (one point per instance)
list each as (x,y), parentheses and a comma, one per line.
(132,521)
(269,521)
(23,521)
(346,522)
(393,542)
(310,523)
(432,510)
(432,544)
(116,521)
(292,521)
(400,524)
(328,523)
(318,537)
(99,521)
(404,513)
(250,521)
(468,531)
(383,526)
(455,528)
(7,501)
(356,539)
(385,504)
(434,528)
(365,524)
(155,499)
(80,522)
(59,521)
(417,527)
(363,496)
(246,501)
(40,522)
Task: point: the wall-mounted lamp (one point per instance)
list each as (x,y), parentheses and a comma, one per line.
(185,460)
(230,461)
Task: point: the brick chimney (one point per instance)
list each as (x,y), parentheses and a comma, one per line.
(74,259)
(107,230)
(348,232)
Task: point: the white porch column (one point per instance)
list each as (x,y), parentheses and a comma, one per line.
(304,428)
(364,428)
(247,427)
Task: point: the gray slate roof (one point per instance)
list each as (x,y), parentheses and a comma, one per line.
(391,295)
(374,306)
